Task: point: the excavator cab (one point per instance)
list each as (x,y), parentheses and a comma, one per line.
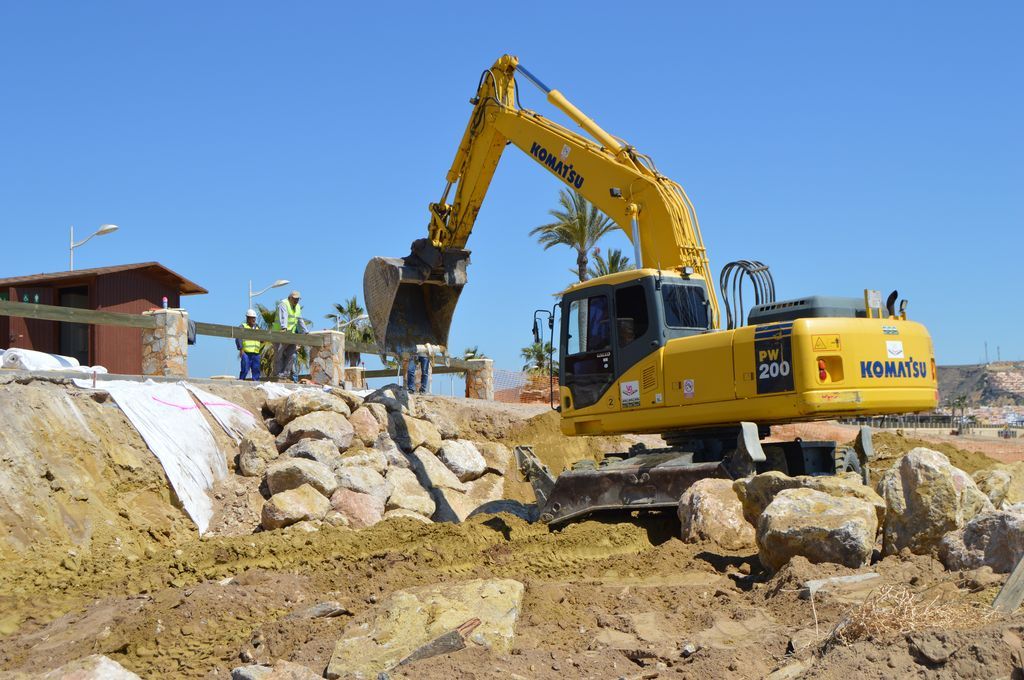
(611,324)
(411,300)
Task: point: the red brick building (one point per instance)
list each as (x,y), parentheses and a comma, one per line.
(128,288)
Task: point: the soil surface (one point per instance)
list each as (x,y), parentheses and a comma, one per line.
(616,596)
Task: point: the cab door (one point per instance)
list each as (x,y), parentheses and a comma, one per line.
(588,363)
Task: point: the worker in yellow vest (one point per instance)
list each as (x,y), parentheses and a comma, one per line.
(289,319)
(249,350)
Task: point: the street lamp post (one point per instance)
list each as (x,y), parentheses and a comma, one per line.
(275,284)
(102,231)
(348,323)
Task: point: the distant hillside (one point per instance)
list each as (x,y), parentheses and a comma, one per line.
(995,384)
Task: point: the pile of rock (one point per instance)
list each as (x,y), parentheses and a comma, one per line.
(330,456)
(923,504)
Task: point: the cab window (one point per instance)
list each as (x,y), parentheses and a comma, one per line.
(589,325)
(630,314)
(685,306)
(588,368)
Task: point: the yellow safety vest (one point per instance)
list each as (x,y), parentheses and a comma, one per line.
(251,346)
(294,313)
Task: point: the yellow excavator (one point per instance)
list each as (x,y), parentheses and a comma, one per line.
(645,350)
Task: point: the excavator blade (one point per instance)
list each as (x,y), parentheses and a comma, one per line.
(411,300)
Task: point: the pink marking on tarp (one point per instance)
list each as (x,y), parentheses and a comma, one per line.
(204,403)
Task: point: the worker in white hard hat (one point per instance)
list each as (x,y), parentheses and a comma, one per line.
(289,319)
(249,350)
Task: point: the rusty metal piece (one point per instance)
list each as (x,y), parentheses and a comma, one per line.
(535,472)
(452,641)
(411,300)
(643,482)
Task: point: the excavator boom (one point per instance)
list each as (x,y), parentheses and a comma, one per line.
(410,300)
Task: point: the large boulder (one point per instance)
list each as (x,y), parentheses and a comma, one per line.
(295,505)
(353,400)
(360,510)
(710,511)
(379,411)
(406,620)
(94,667)
(462,457)
(994,483)
(818,526)
(321,450)
(364,480)
(402,513)
(407,494)
(432,472)
(256,449)
(319,425)
(304,402)
(281,670)
(1015,494)
(992,539)
(393,397)
(291,473)
(442,421)
(394,456)
(757,492)
(365,425)
(926,497)
(457,506)
(497,456)
(410,433)
(370,458)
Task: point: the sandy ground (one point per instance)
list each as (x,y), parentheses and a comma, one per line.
(620,596)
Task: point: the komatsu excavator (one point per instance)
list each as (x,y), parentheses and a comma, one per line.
(644,351)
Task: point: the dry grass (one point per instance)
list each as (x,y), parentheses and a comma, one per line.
(894,610)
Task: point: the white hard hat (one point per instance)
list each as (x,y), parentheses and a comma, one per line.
(295,294)
(250,312)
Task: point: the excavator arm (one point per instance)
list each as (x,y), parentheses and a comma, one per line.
(411,300)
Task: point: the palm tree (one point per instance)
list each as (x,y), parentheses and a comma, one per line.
(537,356)
(358,331)
(578,224)
(473,353)
(265,318)
(614,263)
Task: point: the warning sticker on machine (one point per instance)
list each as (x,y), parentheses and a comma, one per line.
(825,343)
(688,390)
(629,393)
(774,365)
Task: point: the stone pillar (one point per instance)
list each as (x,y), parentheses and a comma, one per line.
(165,348)
(354,377)
(480,379)
(327,363)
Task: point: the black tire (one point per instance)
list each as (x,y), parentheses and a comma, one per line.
(847,461)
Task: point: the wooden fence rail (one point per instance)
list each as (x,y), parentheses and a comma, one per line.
(94,317)
(74,315)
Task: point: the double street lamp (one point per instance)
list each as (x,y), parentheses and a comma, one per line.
(102,231)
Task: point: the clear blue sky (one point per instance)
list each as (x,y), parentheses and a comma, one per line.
(849,146)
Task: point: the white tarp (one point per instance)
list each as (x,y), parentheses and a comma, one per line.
(235,420)
(31,360)
(275,389)
(177,432)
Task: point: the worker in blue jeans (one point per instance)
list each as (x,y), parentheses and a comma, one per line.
(249,350)
(410,374)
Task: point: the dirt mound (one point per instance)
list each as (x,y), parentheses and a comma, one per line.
(619,596)
(890,447)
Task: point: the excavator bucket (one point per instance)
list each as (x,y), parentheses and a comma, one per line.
(411,300)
